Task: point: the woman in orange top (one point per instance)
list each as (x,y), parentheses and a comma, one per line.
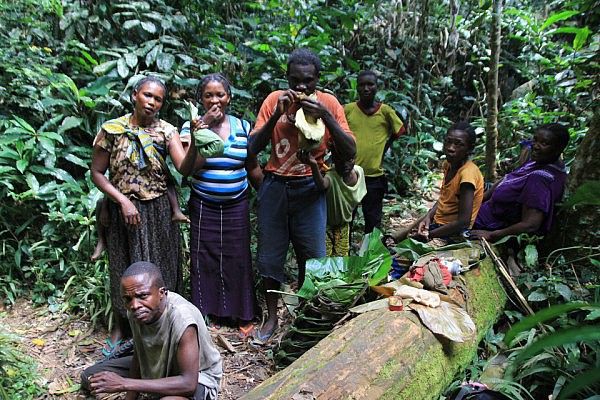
(462,189)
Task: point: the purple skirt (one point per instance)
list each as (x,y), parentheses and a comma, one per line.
(221,264)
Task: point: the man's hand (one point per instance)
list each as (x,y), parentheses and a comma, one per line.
(131,215)
(285,100)
(313,108)
(107,382)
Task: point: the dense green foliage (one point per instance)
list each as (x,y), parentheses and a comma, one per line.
(67,66)
(18,378)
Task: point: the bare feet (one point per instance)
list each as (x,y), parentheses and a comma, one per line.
(180,217)
(100,246)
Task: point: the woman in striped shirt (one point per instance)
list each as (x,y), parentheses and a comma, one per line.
(221,264)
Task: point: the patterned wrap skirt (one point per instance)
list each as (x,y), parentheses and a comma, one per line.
(221,265)
(155,239)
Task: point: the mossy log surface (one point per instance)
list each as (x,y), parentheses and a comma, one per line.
(388,355)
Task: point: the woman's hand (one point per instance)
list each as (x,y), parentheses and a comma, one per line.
(423,228)
(481,234)
(130,213)
(213,115)
(198,124)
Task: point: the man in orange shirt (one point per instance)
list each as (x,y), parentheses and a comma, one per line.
(290,206)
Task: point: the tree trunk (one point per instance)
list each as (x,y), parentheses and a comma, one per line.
(578,226)
(491,130)
(422,39)
(385,354)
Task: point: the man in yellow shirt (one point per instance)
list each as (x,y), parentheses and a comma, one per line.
(374,125)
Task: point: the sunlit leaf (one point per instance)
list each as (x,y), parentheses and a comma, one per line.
(122,68)
(544,316)
(69,123)
(560,16)
(165,61)
(149,26)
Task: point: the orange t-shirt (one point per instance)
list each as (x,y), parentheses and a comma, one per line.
(447,204)
(284,139)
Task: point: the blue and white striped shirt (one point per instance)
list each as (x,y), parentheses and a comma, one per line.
(224,178)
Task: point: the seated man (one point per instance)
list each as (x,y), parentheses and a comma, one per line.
(173,352)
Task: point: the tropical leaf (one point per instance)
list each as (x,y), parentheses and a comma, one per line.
(544,316)
(560,16)
(559,338)
(580,382)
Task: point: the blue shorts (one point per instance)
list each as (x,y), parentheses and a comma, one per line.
(289,209)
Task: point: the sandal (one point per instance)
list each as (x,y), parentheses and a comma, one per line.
(125,348)
(246,331)
(264,337)
(108,351)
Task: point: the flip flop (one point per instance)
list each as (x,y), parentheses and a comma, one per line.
(246,331)
(125,348)
(111,347)
(264,337)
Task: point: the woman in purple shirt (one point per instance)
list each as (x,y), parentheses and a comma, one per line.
(523,202)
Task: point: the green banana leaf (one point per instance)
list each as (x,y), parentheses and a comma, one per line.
(413,249)
(341,278)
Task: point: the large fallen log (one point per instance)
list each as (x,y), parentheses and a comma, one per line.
(388,355)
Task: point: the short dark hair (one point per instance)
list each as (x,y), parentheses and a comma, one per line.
(217,77)
(465,127)
(145,268)
(147,79)
(367,72)
(304,56)
(559,132)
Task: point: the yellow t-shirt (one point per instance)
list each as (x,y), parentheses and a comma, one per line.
(447,204)
(372,131)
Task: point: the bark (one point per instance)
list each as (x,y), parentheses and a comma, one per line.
(578,226)
(422,39)
(385,354)
(491,129)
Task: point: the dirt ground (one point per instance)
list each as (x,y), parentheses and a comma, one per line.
(63,346)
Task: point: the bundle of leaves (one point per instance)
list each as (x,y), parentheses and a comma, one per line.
(332,286)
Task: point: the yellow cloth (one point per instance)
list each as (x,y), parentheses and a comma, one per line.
(447,204)
(337,241)
(372,133)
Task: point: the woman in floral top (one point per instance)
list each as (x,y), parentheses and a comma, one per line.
(133,149)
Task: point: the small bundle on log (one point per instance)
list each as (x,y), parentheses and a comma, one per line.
(388,354)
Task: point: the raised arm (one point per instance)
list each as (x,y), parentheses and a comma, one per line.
(261,137)
(344,143)
(185,384)
(192,160)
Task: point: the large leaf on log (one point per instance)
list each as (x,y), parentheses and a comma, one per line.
(372,264)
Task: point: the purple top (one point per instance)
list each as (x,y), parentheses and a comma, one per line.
(535,185)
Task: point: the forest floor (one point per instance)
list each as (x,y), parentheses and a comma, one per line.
(64,345)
